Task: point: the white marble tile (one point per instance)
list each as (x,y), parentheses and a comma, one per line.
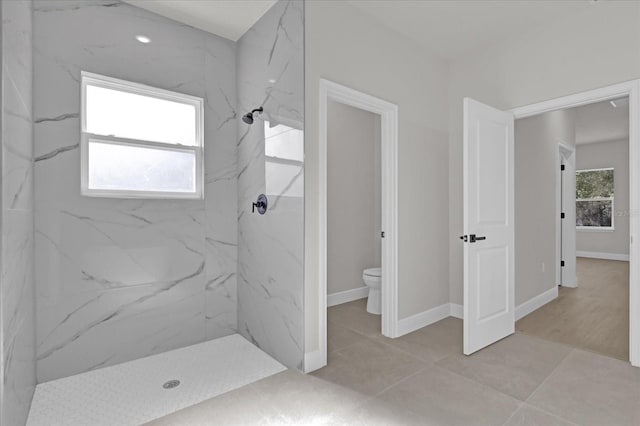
(17,170)
(16,44)
(104,265)
(85,331)
(118,244)
(272,50)
(221,306)
(18,316)
(270,247)
(99,36)
(17,300)
(120,279)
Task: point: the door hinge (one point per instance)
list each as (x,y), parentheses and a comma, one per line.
(562,215)
(382,234)
(561,166)
(562,263)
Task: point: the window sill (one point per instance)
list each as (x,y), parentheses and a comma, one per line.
(143,195)
(593,229)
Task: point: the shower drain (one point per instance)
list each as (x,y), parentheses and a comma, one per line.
(171,384)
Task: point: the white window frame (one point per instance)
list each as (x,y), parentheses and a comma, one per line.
(139,89)
(613,211)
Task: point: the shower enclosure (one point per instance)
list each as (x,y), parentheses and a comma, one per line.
(120,279)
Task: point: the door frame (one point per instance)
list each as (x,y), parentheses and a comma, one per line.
(565,152)
(389,199)
(632,90)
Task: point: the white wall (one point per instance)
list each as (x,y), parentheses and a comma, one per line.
(593,49)
(344,46)
(536,162)
(353,195)
(603,155)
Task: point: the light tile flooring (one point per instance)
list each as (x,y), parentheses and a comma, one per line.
(594,316)
(423,379)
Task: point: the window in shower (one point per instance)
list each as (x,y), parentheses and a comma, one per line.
(139,141)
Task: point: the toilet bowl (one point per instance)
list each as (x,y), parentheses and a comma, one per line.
(372,277)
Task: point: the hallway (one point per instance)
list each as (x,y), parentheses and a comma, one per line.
(594,316)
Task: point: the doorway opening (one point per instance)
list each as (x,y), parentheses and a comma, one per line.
(354,227)
(490,308)
(591,310)
(388,118)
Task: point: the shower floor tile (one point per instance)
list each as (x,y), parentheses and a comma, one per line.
(132,393)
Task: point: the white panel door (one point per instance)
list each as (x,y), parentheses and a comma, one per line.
(489,311)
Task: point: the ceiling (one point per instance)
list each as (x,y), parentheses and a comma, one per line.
(448,28)
(227,18)
(452,29)
(602,122)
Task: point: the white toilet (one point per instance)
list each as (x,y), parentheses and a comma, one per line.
(372,277)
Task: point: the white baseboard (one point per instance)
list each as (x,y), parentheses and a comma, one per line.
(347,296)
(422,319)
(314,361)
(455,310)
(522,310)
(536,302)
(598,255)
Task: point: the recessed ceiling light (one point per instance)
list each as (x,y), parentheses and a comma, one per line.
(272,80)
(613,104)
(143,39)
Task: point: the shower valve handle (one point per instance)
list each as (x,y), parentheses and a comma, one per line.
(261,204)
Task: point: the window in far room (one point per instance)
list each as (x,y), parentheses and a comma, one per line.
(595,199)
(139,141)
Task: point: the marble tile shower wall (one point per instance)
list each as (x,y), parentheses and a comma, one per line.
(120,279)
(18,372)
(270,67)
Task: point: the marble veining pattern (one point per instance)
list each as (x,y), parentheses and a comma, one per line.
(17,299)
(121,279)
(270,247)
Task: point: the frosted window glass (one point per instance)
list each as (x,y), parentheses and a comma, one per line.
(127,115)
(136,168)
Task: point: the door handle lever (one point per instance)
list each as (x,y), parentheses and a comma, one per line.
(472,238)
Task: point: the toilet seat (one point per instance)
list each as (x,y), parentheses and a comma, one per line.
(373,272)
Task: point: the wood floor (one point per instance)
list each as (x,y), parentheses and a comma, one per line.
(594,316)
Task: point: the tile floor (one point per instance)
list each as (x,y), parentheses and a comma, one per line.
(423,379)
(132,393)
(594,316)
